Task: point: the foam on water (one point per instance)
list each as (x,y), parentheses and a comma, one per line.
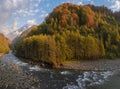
(37,68)
(65,72)
(20,63)
(84,79)
(34,68)
(11,59)
(90,78)
(71,87)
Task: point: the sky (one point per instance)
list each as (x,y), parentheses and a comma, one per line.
(16,13)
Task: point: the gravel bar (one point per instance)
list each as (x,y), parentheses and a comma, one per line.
(12,77)
(100,65)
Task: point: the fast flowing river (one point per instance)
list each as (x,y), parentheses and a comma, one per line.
(68,79)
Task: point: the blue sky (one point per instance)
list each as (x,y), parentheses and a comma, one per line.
(16,13)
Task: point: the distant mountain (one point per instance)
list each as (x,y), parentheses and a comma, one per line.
(4,44)
(24,33)
(16,33)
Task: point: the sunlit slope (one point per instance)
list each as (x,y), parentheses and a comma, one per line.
(4,44)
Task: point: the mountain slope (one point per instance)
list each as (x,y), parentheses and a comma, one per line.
(24,34)
(18,32)
(4,44)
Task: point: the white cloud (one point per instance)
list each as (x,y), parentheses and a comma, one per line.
(29,8)
(4,30)
(15,25)
(31,22)
(116,5)
(43,15)
(12,9)
(80,3)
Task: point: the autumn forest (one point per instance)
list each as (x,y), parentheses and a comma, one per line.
(71,33)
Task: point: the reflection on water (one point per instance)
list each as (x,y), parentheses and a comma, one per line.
(61,79)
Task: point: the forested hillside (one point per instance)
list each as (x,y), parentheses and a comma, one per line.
(72,32)
(104,10)
(4,44)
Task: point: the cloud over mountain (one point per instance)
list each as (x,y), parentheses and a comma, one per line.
(22,11)
(12,9)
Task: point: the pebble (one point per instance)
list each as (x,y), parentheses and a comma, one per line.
(94,65)
(10,77)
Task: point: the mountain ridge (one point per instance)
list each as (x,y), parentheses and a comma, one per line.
(18,32)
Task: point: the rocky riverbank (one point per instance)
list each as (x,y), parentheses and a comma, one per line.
(98,65)
(12,77)
(104,64)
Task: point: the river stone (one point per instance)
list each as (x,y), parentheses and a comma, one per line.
(12,77)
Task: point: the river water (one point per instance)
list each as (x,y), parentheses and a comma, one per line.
(68,79)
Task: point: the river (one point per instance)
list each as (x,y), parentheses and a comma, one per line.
(68,79)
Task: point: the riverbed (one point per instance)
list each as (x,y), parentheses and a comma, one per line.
(68,79)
